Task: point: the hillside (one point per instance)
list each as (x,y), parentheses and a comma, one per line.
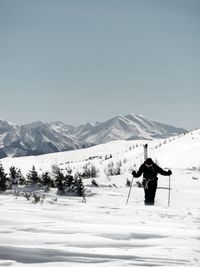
(182,151)
(103,231)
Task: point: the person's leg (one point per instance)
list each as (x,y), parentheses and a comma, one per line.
(150,193)
(146,192)
(148,197)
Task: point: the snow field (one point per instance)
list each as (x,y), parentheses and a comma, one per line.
(105,231)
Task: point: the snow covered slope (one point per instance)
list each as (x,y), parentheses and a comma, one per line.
(182,151)
(104,231)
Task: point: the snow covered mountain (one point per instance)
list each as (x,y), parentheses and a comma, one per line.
(41,138)
(128,127)
(35,139)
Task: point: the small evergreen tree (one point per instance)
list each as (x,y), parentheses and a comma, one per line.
(79,187)
(67,183)
(15,177)
(46,180)
(33,177)
(69,180)
(21,178)
(59,179)
(4,182)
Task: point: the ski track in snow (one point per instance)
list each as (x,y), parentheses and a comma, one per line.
(104,231)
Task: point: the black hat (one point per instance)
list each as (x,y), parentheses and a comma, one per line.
(149,162)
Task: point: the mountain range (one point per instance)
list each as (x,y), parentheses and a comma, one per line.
(41,138)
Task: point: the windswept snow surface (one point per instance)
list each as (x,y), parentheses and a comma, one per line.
(105,231)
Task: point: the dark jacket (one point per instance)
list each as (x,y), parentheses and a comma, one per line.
(150,172)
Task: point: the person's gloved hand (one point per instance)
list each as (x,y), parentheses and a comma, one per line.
(169,172)
(134,173)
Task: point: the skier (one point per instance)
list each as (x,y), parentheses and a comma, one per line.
(150,170)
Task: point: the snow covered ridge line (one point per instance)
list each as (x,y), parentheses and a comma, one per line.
(41,138)
(178,152)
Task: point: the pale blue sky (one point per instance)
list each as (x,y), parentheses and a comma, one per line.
(88,60)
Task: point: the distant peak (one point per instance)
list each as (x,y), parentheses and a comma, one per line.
(140,115)
(135,116)
(34,124)
(57,123)
(92,124)
(7,123)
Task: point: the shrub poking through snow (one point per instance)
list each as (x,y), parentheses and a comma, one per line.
(89,171)
(139,184)
(113,170)
(128,183)
(94,183)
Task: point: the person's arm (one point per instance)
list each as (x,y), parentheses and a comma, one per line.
(162,172)
(139,173)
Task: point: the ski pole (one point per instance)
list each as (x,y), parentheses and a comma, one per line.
(169,190)
(129,191)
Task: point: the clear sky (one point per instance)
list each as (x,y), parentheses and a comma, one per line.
(89,60)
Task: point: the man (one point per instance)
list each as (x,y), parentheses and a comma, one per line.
(150,170)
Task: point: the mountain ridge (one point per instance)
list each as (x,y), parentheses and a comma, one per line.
(41,138)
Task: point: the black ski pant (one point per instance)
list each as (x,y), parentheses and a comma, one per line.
(149,191)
